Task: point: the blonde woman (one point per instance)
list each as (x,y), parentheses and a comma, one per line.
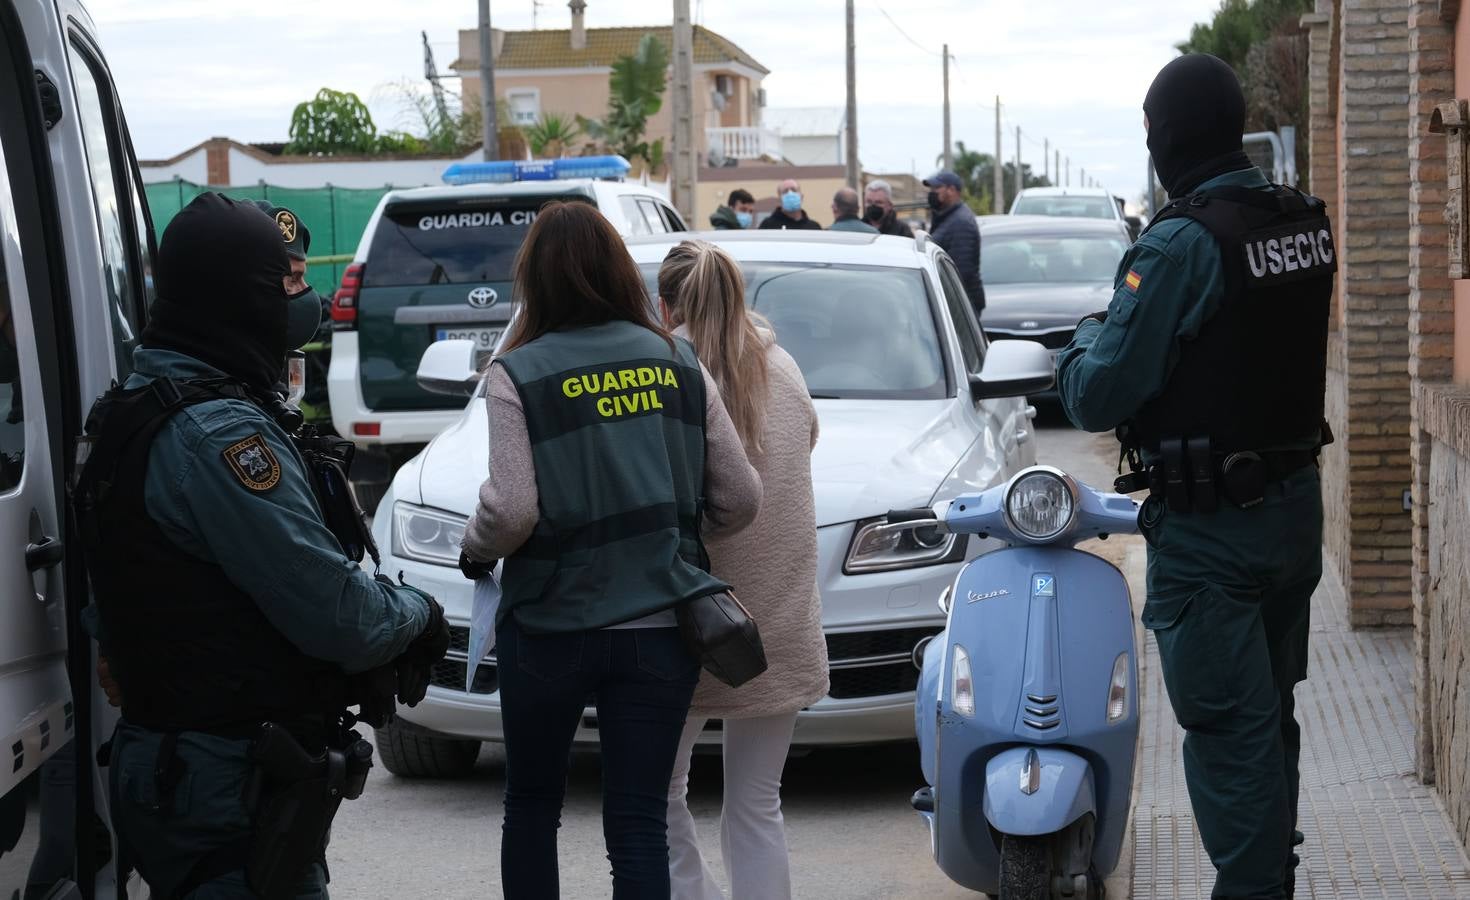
(773,568)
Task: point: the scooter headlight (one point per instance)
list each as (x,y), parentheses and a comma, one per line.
(1118,689)
(962,686)
(1041,504)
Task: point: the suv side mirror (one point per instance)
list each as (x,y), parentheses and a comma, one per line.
(1135,226)
(448,367)
(1013,369)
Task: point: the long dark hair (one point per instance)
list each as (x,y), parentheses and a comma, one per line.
(574,270)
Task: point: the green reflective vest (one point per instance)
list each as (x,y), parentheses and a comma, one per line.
(615,419)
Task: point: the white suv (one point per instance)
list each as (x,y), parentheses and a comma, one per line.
(915,408)
(434,264)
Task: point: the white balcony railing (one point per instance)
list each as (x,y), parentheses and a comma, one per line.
(743,143)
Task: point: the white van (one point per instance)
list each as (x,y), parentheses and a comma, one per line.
(76,251)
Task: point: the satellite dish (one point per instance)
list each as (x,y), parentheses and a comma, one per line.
(716,156)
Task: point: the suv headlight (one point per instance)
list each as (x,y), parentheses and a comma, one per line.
(1040,504)
(880,546)
(427,535)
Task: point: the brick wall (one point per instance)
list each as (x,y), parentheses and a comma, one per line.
(1431,326)
(1371,469)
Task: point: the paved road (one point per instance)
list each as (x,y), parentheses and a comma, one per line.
(851,831)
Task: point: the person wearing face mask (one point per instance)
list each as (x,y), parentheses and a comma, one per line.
(952,225)
(790,214)
(878,210)
(237,632)
(1227,452)
(738,213)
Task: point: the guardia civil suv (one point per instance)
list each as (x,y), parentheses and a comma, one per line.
(434,264)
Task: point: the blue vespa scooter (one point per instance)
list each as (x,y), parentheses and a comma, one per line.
(1027,707)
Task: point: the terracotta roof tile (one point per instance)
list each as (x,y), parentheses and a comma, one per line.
(552,48)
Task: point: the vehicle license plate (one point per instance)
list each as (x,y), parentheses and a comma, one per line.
(483,337)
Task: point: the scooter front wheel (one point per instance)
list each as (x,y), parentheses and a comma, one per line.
(1025,868)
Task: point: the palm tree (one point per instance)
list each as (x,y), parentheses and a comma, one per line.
(637,94)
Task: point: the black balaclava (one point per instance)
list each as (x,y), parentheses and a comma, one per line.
(1196,118)
(221,292)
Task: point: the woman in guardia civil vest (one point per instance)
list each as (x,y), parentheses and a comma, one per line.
(773,566)
(610,450)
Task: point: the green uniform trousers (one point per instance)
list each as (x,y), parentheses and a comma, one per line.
(166,835)
(1229,603)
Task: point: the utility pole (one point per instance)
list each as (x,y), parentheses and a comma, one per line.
(685,172)
(1056,169)
(1082,179)
(854,174)
(999,206)
(1046,159)
(948,154)
(1068,182)
(1020,179)
(491,136)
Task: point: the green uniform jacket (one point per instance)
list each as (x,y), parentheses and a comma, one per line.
(852,223)
(1169,284)
(272,544)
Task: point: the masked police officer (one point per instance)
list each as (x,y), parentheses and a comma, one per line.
(235,626)
(1211,361)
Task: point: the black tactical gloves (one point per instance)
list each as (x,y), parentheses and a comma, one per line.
(472,570)
(415,665)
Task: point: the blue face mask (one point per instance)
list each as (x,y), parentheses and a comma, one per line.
(791,201)
(744,218)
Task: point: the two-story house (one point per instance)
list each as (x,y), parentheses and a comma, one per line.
(566,71)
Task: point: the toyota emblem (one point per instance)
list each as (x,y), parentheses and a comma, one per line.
(483,297)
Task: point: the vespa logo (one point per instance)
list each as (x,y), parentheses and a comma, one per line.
(976,598)
(483,297)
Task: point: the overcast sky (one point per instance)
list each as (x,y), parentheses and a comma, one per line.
(1073,71)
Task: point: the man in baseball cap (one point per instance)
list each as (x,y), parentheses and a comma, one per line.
(952,226)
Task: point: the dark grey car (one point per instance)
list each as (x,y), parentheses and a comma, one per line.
(1042,274)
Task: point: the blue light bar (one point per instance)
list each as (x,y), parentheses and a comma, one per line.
(507,171)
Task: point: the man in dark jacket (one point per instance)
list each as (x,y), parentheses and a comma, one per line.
(738,212)
(878,210)
(953,227)
(790,214)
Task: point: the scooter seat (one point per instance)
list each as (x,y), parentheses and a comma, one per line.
(923,800)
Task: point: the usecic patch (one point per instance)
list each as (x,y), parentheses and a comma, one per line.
(254,464)
(1133,280)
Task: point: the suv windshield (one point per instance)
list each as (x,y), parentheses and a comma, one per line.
(1015,259)
(449,243)
(1070,207)
(857,332)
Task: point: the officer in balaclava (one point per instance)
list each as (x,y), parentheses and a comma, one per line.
(1210,361)
(234,626)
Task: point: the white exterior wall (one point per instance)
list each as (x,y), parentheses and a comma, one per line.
(247,170)
(190,168)
(812,150)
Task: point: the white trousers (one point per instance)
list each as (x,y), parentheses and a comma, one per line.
(752,830)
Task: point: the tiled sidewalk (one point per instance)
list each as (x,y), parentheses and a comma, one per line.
(1373,831)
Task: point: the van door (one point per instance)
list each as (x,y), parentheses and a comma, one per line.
(38,762)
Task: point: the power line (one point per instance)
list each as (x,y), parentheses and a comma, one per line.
(905,34)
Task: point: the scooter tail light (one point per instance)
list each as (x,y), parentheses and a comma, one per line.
(962,694)
(1118,689)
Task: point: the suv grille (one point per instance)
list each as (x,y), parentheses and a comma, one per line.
(450,672)
(874,663)
(1051,340)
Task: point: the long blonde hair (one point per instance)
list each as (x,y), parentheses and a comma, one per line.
(705,292)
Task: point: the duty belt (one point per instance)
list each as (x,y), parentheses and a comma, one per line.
(1195,479)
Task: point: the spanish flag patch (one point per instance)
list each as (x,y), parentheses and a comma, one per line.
(1133,280)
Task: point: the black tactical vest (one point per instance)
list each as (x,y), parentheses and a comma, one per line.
(1255,375)
(189,649)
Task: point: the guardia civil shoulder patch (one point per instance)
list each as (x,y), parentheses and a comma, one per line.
(1133,280)
(254,464)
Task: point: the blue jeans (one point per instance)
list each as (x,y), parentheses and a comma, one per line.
(641,680)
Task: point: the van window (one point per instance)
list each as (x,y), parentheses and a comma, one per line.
(671,219)
(117,211)
(419,244)
(656,222)
(636,221)
(12,410)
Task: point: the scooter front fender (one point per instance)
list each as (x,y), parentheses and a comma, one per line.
(1064,791)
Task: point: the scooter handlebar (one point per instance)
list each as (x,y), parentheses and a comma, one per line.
(920,514)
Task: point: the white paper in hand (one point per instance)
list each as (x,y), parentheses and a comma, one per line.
(482,624)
